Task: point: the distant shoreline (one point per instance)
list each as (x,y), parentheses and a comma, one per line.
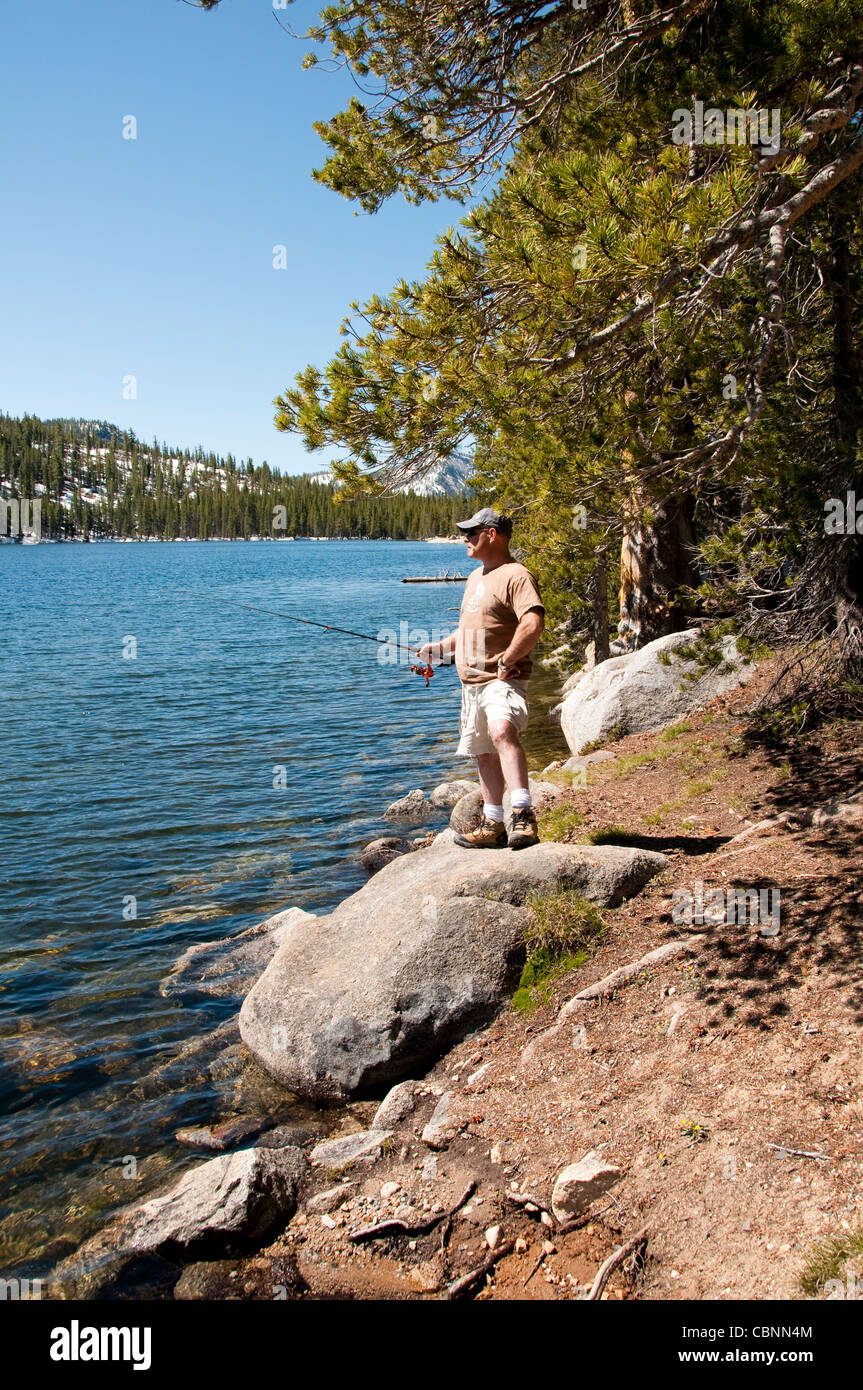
(234,540)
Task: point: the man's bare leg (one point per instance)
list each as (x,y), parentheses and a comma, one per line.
(491,778)
(509,756)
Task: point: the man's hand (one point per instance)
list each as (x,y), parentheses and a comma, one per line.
(439,650)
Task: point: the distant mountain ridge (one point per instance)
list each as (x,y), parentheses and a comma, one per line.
(449,477)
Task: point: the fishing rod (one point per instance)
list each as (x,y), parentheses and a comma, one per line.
(427,670)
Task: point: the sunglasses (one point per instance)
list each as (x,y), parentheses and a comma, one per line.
(472,534)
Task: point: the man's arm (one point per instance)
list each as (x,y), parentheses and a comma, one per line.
(524,639)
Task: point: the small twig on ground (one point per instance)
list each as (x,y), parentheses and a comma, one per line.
(606,1269)
(797,1153)
(526,1281)
(467,1281)
(402,1228)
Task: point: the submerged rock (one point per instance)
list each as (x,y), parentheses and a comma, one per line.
(223,1136)
(646,690)
(426,952)
(293,1135)
(261,1277)
(228,968)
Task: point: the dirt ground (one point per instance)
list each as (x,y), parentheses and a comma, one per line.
(724,1083)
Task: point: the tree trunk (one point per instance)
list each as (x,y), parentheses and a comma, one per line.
(657,558)
(848,407)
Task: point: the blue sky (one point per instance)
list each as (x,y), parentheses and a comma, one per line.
(153,257)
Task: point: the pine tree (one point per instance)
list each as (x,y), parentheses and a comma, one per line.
(628,325)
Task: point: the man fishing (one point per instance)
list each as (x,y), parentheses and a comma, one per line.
(500,623)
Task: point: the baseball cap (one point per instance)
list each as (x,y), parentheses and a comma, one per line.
(486,516)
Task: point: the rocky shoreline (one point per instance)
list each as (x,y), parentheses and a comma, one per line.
(363,1002)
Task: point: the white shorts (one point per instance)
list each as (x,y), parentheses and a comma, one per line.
(491,700)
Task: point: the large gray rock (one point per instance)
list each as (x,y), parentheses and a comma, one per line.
(646,690)
(228,1204)
(228,968)
(426,952)
(227,1135)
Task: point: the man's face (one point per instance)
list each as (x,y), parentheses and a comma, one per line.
(480,542)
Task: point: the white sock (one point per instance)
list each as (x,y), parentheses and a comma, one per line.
(494,813)
(520,799)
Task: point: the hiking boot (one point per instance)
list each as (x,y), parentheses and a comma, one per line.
(485,834)
(523,829)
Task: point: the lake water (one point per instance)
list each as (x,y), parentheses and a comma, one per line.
(176,770)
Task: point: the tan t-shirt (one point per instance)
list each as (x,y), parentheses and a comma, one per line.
(493,605)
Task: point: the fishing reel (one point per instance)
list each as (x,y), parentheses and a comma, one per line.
(427,671)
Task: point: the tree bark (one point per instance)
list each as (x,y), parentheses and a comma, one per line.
(844,276)
(657,558)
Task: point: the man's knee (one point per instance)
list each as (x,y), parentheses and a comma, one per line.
(502,733)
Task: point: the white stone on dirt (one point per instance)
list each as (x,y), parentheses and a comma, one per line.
(338,1153)
(492,1237)
(581,1183)
(331,1199)
(396,1106)
(444,1124)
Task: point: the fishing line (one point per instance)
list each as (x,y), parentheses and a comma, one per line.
(426,670)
